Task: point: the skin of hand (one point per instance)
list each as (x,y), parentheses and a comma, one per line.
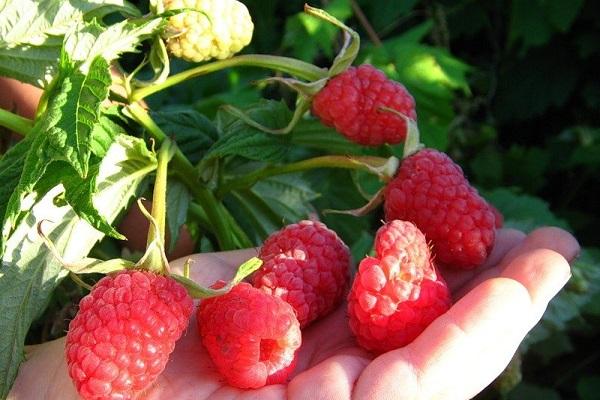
(19,97)
(456,357)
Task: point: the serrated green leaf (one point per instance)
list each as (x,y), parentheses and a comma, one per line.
(31,33)
(193,132)
(79,193)
(253,214)
(240,139)
(308,35)
(11,166)
(313,134)
(522,211)
(30,273)
(103,135)
(32,21)
(73,114)
(36,65)
(288,195)
(87,41)
(178,202)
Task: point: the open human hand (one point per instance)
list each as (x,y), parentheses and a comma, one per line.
(456,357)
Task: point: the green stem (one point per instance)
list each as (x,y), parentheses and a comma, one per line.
(15,123)
(159,209)
(356,163)
(186,172)
(292,66)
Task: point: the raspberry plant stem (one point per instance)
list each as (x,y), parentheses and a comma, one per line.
(297,68)
(15,123)
(156,235)
(222,223)
(365,163)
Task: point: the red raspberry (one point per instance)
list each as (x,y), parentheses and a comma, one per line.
(251,336)
(307,265)
(398,293)
(121,338)
(431,191)
(351,101)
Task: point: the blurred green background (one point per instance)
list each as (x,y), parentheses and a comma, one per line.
(509,89)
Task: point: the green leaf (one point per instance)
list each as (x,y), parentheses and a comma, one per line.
(240,139)
(73,114)
(11,165)
(36,65)
(178,201)
(87,41)
(103,134)
(31,33)
(79,194)
(547,77)
(307,35)
(313,134)
(522,211)
(253,214)
(534,22)
(386,15)
(193,132)
(32,21)
(288,195)
(30,273)
(63,134)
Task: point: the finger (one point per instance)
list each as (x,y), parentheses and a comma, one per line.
(461,352)
(550,238)
(506,240)
(332,379)
(543,273)
(44,374)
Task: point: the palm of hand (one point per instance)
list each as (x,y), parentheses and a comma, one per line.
(498,305)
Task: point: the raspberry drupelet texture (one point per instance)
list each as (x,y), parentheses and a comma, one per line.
(251,336)
(307,265)
(351,102)
(126,328)
(431,191)
(398,293)
(218,30)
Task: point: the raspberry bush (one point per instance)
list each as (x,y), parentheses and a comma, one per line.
(350,145)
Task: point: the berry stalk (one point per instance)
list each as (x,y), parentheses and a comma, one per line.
(220,219)
(292,66)
(156,259)
(371,164)
(15,123)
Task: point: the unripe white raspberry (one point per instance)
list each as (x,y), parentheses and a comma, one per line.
(220,29)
